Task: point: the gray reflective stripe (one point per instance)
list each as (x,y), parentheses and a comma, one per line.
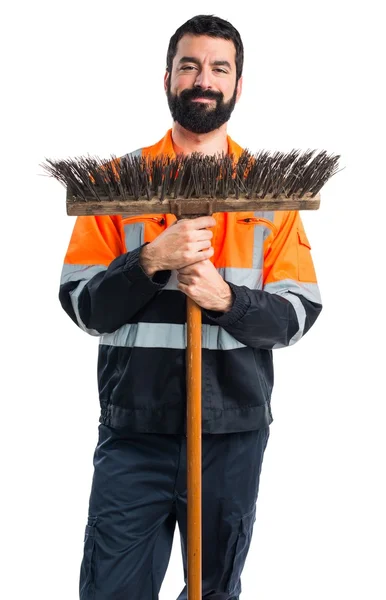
(283,288)
(74,295)
(134,235)
(172,283)
(261,232)
(301,316)
(251,278)
(309,290)
(80,272)
(83,274)
(168,335)
(258,241)
(265,214)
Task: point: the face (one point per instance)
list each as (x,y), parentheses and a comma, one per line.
(201,88)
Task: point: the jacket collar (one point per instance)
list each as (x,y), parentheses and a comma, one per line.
(165,146)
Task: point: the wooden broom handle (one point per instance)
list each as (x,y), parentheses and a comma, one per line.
(193,384)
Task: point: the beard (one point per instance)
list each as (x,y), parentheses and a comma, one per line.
(200,117)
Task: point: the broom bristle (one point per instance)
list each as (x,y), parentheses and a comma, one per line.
(195,176)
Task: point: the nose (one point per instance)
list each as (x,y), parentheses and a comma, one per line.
(203,79)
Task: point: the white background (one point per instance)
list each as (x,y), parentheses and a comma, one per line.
(86,77)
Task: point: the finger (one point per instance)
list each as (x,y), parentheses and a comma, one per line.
(203,234)
(188,290)
(185,270)
(189,270)
(205,254)
(186,279)
(199,257)
(203,245)
(183,288)
(203,222)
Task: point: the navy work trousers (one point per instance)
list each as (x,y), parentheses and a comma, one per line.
(139,493)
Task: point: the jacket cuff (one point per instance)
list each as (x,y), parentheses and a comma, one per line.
(241,304)
(134,271)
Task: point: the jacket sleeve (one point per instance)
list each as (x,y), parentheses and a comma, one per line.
(102,286)
(289,303)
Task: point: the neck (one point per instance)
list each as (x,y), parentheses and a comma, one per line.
(186,142)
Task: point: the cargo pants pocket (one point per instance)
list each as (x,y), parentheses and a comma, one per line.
(241,551)
(87,569)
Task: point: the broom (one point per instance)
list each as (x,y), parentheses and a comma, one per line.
(189,187)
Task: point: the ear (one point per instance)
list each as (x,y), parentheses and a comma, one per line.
(166,78)
(239,88)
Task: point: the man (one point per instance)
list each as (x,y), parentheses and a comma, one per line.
(126,279)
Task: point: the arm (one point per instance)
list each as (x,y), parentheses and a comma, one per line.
(287,306)
(102,286)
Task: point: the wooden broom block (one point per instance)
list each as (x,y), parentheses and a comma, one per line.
(77,206)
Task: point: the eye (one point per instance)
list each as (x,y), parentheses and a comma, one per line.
(221,70)
(187,68)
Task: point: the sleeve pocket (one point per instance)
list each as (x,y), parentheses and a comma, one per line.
(303,239)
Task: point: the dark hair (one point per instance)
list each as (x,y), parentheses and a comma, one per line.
(213,27)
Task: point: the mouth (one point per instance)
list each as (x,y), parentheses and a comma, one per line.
(203,100)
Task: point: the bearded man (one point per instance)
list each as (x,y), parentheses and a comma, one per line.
(125,280)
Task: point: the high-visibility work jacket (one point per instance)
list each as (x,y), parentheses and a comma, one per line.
(141,321)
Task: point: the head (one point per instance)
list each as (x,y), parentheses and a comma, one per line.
(203,79)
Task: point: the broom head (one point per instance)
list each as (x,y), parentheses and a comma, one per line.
(194,185)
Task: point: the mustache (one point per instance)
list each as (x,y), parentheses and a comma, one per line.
(199,93)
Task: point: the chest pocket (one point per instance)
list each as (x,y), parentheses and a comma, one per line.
(140,229)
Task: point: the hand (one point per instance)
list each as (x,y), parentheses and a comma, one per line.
(184,243)
(203,283)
